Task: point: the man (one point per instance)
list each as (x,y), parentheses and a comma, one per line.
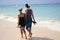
(29,16)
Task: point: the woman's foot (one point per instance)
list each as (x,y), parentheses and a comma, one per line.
(25,37)
(21,36)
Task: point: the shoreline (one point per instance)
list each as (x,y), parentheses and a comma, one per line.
(50,24)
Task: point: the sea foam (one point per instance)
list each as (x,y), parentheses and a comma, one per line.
(8,18)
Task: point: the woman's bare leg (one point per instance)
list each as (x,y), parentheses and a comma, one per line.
(25,33)
(21,30)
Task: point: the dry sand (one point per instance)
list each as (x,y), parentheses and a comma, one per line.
(8,31)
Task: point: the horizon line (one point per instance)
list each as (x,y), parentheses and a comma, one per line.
(32,4)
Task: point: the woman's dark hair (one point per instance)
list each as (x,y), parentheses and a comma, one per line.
(27,5)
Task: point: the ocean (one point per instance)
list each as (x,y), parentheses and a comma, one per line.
(43,13)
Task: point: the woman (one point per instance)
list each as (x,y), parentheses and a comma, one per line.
(21,23)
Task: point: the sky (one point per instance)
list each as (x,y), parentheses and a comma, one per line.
(9,2)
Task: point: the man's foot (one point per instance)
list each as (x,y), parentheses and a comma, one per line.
(30,35)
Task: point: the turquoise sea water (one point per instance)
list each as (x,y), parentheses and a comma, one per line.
(42,12)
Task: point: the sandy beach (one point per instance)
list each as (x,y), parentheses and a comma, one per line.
(8,31)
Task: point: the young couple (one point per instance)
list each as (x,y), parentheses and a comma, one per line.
(25,20)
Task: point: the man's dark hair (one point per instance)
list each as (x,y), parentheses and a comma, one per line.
(27,5)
